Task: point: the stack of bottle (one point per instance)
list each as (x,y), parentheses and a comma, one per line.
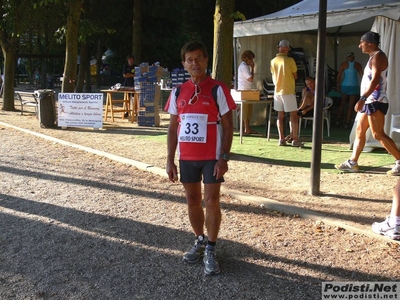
(149,114)
(179,76)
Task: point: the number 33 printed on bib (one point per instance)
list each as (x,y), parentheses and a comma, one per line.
(193,128)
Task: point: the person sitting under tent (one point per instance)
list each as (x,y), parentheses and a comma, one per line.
(306,108)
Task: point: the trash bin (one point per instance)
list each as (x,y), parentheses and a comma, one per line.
(47,108)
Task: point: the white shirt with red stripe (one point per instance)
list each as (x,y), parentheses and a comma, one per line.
(199,130)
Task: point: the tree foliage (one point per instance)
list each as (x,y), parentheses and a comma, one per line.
(13,23)
(163,28)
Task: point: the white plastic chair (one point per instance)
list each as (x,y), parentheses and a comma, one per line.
(394,124)
(326,115)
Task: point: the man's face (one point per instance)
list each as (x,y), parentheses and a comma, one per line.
(364,46)
(310,84)
(283,49)
(131,61)
(248,61)
(195,63)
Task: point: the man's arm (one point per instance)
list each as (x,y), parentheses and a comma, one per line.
(272,73)
(221,167)
(303,94)
(307,103)
(294,68)
(378,63)
(339,76)
(126,74)
(172,143)
(251,67)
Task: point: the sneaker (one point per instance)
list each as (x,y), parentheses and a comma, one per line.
(289,139)
(296,143)
(282,142)
(395,171)
(194,255)
(347,166)
(385,229)
(211,266)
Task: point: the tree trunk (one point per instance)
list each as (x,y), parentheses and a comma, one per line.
(71,54)
(137,31)
(43,73)
(99,62)
(223,41)
(9,75)
(81,69)
(88,76)
(42,45)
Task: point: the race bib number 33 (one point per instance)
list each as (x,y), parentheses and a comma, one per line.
(193,128)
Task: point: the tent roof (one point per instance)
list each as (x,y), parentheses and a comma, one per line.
(303,16)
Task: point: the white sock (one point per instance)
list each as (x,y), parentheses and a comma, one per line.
(394,220)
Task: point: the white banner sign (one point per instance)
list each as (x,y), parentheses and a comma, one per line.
(80,110)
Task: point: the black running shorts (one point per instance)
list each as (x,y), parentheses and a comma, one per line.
(194,170)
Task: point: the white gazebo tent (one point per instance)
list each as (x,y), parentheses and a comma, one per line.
(346,22)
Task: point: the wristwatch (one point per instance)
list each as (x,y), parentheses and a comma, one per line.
(363,98)
(225,156)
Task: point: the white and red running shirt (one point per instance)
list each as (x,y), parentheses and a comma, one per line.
(199,130)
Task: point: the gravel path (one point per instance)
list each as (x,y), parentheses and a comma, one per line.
(75,225)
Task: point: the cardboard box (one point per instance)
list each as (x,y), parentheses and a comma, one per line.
(245,95)
(140,70)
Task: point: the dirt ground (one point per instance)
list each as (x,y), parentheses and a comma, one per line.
(359,198)
(79,226)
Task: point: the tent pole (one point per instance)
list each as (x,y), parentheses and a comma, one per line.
(335,47)
(319,102)
(235,67)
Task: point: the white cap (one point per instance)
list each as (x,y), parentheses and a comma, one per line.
(283,43)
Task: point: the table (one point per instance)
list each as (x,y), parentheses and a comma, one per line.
(130,104)
(265,100)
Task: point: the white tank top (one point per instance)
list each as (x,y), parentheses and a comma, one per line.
(379,94)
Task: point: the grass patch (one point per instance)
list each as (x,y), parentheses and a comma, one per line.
(334,149)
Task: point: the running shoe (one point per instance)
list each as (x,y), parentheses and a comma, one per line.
(289,139)
(395,171)
(196,252)
(211,266)
(348,167)
(296,143)
(385,229)
(282,142)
